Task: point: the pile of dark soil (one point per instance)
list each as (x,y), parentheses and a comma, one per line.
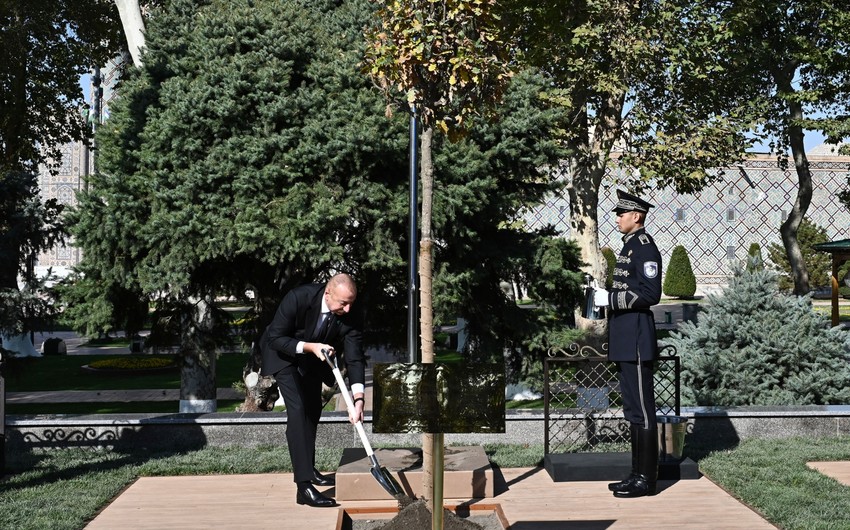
(416,516)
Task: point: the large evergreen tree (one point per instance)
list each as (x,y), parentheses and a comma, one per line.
(249,153)
(757,346)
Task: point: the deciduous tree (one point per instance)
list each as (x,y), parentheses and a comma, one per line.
(796,52)
(651,94)
(45,46)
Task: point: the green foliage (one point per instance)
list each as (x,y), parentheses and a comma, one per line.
(611,263)
(668,69)
(757,346)
(445,57)
(94,307)
(44,49)
(250,152)
(679,279)
(754,258)
(479,253)
(28,226)
(818,264)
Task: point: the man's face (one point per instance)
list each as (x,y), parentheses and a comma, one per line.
(339,299)
(627,222)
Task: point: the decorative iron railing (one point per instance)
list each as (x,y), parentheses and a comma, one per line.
(582,401)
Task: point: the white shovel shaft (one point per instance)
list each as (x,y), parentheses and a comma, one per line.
(349,403)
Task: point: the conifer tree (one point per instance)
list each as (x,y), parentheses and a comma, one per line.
(755,345)
(818,264)
(611,262)
(754,258)
(679,279)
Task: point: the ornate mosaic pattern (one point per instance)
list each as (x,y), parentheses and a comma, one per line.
(718,225)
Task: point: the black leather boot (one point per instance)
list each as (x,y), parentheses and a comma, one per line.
(623,484)
(645,482)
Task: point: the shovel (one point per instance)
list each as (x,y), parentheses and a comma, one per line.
(384,478)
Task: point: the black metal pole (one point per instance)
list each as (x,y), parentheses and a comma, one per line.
(413,274)
(2,420)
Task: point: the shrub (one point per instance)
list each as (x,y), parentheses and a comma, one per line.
(757,346)
(754,259)
(611,261)
(679,281)
(818,264)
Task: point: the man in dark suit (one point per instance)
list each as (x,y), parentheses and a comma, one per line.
(312,318)
(632,342)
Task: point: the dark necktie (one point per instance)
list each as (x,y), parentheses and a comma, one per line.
(322,332)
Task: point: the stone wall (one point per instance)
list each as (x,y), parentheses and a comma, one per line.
(193,431)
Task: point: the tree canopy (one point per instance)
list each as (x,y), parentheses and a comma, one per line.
(794,57)
(250,153)
(649,87)
(45,46)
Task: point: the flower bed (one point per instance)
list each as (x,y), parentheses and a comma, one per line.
(133,364)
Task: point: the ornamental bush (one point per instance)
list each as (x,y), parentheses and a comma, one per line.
(679,279)
(818,264)
(756,345)
(754,258)
(611,262)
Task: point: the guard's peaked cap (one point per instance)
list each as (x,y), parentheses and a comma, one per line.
(626,202)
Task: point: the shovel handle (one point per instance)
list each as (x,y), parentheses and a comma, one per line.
(349,403)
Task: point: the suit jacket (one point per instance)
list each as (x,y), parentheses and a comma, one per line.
(635,288)
(295,320)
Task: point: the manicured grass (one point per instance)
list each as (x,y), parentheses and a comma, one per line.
(772,477)
(64,372)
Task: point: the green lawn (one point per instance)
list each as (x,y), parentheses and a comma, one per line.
(65,372)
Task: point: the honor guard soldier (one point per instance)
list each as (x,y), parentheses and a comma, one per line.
(632,342)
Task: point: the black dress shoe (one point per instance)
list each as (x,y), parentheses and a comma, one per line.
(623,485)
(639,487)
(311,497)
(322,480)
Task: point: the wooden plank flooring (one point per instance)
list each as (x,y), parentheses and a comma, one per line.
(528,497)
(840,471)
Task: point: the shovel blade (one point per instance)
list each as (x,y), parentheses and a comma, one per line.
(386,480)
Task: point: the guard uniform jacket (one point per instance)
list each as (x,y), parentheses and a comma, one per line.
(636,286)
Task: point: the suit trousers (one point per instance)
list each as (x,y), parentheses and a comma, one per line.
(302,395)
(636,388)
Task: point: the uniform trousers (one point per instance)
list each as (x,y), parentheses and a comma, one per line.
(636,388)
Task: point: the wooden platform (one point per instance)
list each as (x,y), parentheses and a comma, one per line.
(529,499)
(840,471)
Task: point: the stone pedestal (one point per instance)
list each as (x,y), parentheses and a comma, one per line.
(468,473)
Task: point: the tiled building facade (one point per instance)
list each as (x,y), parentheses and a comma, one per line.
(77,161)
(717,225)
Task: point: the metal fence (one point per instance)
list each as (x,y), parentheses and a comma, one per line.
(582,401)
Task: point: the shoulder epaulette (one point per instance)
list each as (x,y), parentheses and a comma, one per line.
(644,239)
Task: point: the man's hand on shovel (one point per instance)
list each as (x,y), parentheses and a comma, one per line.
(355,409)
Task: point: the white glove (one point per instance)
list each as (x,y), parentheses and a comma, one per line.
(600,297)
